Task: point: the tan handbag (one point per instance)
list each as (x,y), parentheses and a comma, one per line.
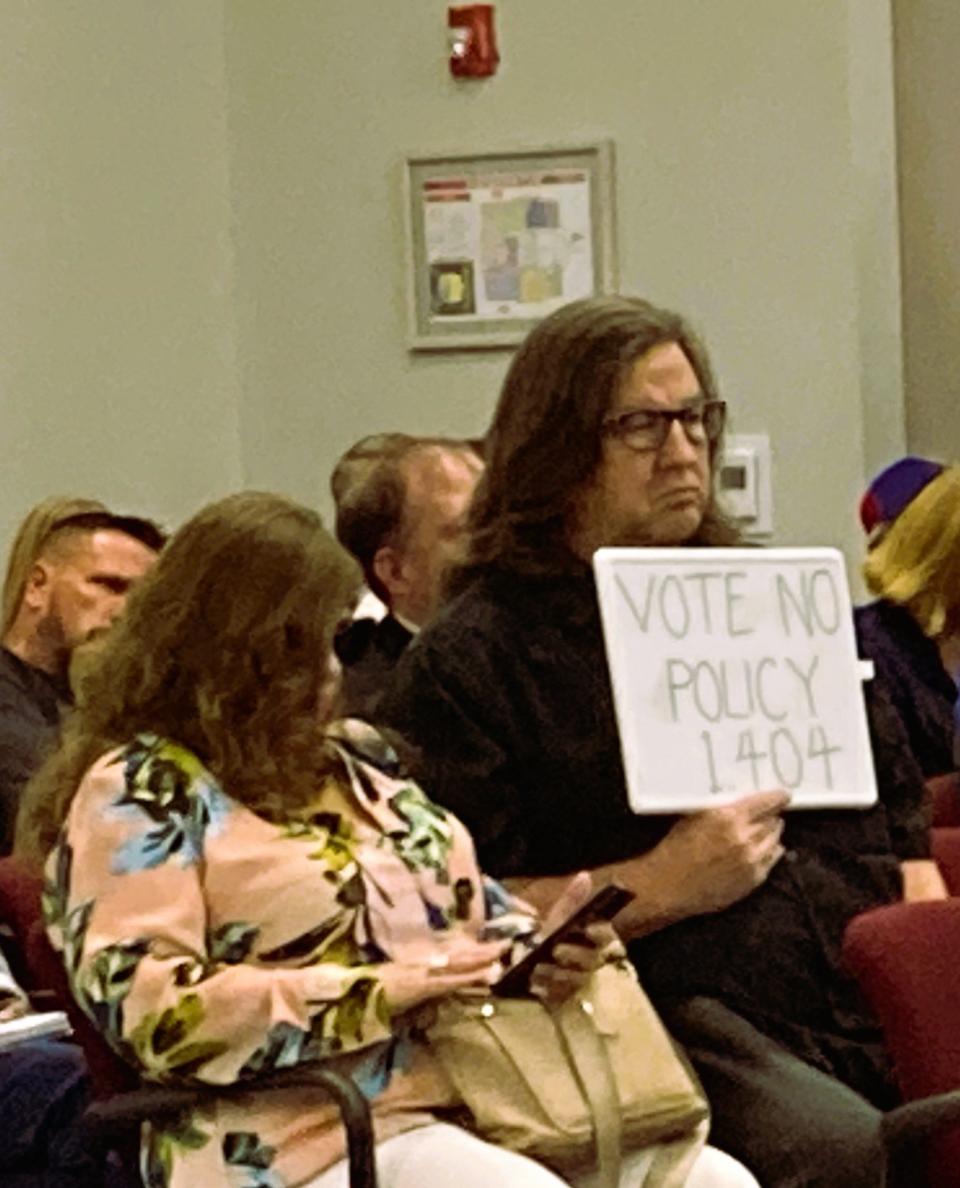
(575,1085)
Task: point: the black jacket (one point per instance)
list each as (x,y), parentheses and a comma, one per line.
(31,702)
(919,688)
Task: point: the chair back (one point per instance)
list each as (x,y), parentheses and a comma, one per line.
(943,793)
(904,957)
(945,848)
(20,891)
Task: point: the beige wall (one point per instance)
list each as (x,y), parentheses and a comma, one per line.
(928,115)
(749,197)
(202,276)
(117,367)
(876,240)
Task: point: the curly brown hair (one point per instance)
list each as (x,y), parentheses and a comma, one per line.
(224,648)
(544,443)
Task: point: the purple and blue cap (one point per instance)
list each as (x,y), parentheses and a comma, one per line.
(894,488)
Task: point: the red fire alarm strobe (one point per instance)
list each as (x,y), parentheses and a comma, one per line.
(473,43)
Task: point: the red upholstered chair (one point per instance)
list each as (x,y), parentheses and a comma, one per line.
(945,847)
(944,798)
(19,908)
(906,958)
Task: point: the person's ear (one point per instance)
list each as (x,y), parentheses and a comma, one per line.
(388,565)
(36,590)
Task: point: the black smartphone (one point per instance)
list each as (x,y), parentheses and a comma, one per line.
(602,905)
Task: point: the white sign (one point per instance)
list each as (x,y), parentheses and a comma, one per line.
(734,671)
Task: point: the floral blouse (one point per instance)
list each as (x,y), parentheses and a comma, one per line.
(209,944)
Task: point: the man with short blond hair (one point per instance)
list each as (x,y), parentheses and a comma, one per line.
(72,565)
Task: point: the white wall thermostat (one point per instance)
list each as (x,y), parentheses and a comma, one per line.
(744,482)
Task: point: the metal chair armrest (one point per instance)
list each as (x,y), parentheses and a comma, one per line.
(354,1110)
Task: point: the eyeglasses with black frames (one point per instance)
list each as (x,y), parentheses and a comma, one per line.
(646,429)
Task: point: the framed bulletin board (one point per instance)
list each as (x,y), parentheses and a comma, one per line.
(496,242)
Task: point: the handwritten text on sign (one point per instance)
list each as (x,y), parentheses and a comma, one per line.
(734,670)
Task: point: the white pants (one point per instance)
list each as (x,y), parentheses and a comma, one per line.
(444,1156)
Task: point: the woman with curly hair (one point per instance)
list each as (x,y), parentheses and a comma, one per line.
(238,884)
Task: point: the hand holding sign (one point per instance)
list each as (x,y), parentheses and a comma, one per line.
(706,862)
(723,854)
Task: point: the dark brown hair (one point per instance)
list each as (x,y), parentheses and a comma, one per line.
(223,648)
(544,443)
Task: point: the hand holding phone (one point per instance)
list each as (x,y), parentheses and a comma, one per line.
(602,905)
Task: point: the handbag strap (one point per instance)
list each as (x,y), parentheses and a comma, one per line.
(590,1062)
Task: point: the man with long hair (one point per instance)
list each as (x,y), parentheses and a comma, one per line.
(71,566)
(606,433)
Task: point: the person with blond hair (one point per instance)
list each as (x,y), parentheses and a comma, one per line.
(239,884)
(71,566)
(911,632)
